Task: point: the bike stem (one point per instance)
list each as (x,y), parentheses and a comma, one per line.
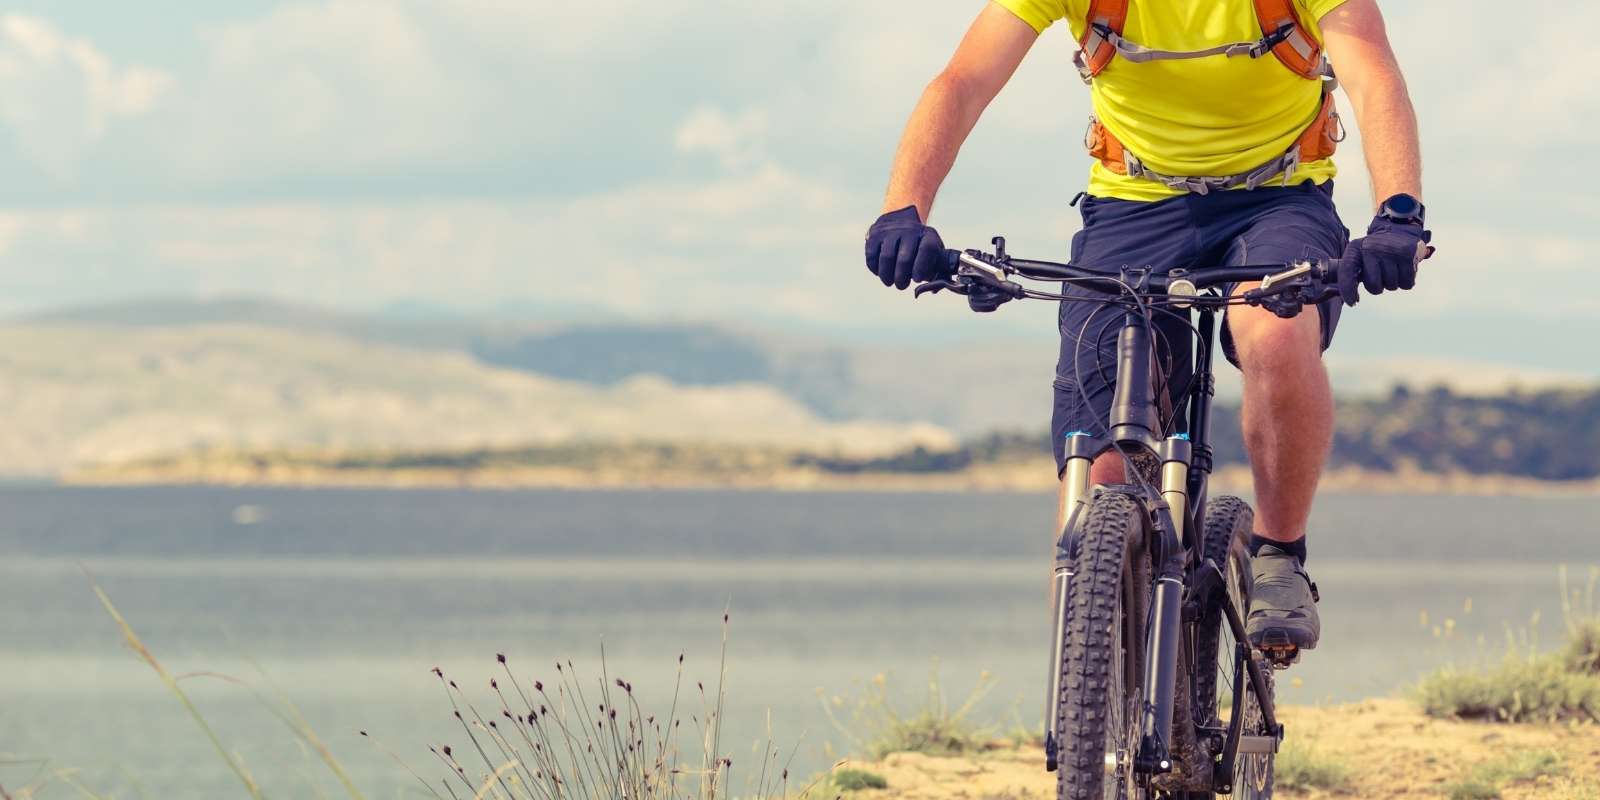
(1133,412)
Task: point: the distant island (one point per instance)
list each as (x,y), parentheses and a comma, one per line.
(254,391)
(1411,441)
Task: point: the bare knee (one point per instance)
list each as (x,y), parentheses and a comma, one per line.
(1266,342)
(1108,468)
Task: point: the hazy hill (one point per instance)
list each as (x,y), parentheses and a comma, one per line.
(437,331)
(971,388)
(76,394)
(156,377)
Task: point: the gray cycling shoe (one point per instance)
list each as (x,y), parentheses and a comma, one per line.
(1283,612)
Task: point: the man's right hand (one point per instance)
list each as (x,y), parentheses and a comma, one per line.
(1386,259)
(900,249)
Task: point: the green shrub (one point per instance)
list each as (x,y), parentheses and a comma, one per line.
(1521,689)
(1300,767)
(1471,790)
(1582,653)
(1580,608)
(877,728)
(854,780)
(1486,779)
(1520,765)
(1528,686)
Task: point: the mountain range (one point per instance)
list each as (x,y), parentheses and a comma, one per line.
(139,379)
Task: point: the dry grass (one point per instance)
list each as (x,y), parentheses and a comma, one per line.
(1302,767)
(538,741)
(138,646)
(1485,780)
(284,709)
(877,728)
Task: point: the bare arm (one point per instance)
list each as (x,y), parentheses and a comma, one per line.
(1358,45)
(951,105)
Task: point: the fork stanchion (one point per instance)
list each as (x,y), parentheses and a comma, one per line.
(1081,448)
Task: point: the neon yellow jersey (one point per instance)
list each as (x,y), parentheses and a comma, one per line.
(1205,116)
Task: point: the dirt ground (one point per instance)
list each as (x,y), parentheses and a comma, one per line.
(1390,748)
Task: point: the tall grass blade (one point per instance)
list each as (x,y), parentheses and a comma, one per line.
(139,647)
(290,715)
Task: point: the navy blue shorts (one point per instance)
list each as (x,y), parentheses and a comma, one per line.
(1264,226)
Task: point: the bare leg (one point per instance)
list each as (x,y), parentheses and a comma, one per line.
(1287,414)
(1107,469)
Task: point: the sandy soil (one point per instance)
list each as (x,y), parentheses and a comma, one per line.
(1394,751)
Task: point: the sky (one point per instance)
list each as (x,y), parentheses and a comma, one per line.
(700,159)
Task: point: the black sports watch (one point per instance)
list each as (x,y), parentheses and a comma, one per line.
(1403,209)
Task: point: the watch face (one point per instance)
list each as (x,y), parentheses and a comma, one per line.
(1403,205)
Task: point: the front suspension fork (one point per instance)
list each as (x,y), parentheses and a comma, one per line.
(1165,636)
(1075,489)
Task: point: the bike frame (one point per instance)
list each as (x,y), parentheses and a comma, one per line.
(1174,526)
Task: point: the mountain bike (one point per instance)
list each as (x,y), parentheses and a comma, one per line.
(1153,688)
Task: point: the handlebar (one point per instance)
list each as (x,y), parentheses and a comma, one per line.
(986,279)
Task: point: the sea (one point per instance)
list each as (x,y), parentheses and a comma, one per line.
(839,606)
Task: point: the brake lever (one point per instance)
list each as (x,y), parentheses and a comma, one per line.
(934,287)
(1288,300)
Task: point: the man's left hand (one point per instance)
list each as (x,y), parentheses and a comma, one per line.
(1385,259)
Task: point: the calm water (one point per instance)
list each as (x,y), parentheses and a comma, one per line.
(347,598)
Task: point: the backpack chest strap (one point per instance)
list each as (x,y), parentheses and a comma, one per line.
(1104,38)
(1283,33)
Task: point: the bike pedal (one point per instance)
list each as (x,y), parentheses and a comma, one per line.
(1282,657)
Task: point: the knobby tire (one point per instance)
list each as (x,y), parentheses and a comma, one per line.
(1102,654)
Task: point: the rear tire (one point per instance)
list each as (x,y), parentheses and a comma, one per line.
(1102,655)
(1228,525)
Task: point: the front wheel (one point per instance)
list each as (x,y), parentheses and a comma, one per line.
(1102,655)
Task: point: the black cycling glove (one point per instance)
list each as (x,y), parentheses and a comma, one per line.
(900,249)
(1385,259)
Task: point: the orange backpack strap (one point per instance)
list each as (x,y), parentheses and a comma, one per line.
(1291,42)
(1096,49)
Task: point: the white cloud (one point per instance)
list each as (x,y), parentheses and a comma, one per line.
(735,139)
(743,148)
(766,244)
(348,85)
(58,94)
(359,87)
(1525,86)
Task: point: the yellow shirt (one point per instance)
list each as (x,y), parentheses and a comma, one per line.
(1208,116)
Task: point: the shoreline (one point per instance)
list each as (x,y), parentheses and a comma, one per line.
(1020,477)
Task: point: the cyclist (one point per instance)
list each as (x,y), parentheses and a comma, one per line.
(1214,122)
